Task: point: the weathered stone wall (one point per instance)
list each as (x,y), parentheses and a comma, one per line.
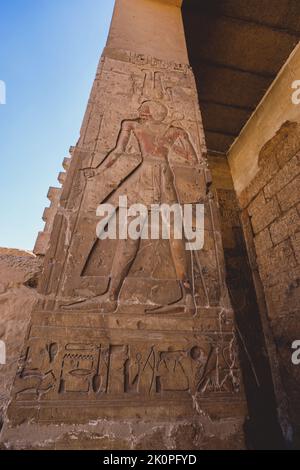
(143,355)
(265,168)
(200,432)
(271,205)
(18,277)
(263,426)
(43,238)
(273,202)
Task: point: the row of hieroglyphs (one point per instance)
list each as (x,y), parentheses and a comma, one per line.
(115,369)
(145,60)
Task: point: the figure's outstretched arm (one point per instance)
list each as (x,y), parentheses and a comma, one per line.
(113,155)
(120,148)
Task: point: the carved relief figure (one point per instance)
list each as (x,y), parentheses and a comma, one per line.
(150,180)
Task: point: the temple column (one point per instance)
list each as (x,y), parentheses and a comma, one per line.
(132,344)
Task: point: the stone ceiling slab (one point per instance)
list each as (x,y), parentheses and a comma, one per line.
(236,49)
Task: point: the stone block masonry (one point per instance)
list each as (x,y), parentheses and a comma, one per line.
(271,201)
(263,428)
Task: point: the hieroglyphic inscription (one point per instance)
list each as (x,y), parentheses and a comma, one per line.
(104,369)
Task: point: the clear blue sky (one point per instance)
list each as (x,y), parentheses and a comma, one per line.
(49,51)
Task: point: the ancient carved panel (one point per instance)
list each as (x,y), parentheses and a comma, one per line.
(141,138)
(103,369)
(126,327)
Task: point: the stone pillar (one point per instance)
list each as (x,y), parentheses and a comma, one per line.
(132,344)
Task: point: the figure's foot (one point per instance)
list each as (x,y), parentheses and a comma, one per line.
(103,303)
(108,305)
(185,305)
(186,309)
(172,308)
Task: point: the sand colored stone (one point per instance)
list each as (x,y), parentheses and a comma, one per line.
(136,334)
(19,271)
(265,170)
(134,345)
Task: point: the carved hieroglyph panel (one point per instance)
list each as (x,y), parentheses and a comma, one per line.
(133,370)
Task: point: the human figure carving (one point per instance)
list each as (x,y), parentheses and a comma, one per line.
(151,182)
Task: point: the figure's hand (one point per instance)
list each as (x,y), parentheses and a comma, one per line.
(89,172)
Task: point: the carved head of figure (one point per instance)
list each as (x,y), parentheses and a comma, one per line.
(153,111)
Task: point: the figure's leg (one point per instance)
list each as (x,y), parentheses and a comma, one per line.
(125,254)
(182,263)
(180,259)
(124,257)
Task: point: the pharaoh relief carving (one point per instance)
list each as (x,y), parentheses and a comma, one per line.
(124,322)
(155,158)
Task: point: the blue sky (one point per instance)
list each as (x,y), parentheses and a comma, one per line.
(49,51)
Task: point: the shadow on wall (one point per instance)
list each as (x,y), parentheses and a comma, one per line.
(262,429)
(271,208)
